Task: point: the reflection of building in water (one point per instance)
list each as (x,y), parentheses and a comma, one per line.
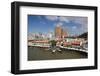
(60,32)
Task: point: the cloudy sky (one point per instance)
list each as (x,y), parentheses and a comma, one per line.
(74,25)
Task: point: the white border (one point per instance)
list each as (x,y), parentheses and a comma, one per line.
(26,65)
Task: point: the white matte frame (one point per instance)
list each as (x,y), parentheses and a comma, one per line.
(26,65)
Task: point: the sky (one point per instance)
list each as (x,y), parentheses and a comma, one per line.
(74,25)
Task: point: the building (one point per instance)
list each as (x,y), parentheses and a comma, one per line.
(64,33)
(39,43)
(60,33)
(31,36)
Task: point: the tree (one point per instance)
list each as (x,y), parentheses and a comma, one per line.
(53,43)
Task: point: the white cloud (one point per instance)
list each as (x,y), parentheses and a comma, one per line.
(52,18)
(59,24)
(84,23)
(81,22)
(65,19)
(55,18)
(74,27)
(42,22)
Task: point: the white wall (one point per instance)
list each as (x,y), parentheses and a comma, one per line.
(5,41)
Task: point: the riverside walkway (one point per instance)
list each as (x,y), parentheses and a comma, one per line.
(69,48)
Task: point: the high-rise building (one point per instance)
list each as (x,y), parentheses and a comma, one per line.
(60,32)
(64,33)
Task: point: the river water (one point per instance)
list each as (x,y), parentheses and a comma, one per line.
(36,53)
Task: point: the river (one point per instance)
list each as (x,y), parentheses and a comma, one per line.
(36,53)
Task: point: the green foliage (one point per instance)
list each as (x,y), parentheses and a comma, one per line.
(53,42)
